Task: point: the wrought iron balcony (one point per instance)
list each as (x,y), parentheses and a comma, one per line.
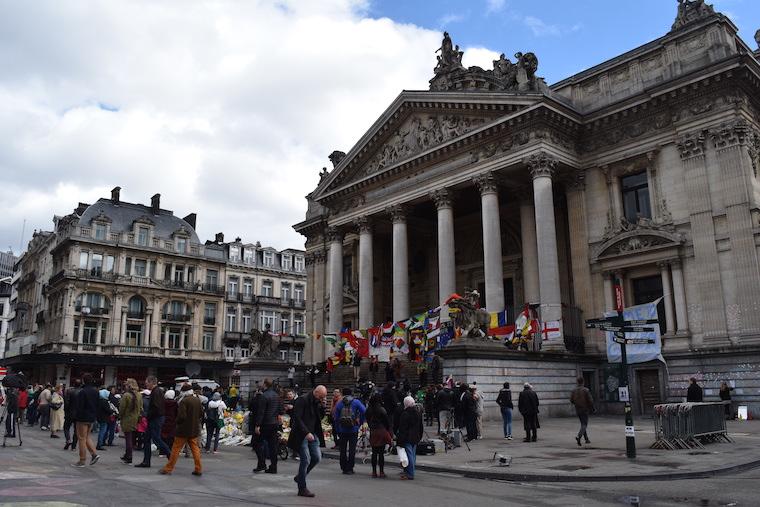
(268,300)
(136,315)
(209,321)
(176,317)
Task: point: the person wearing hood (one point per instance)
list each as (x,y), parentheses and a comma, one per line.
(104,416)
(409,434)
(141,428)
(130,407)
(189,413)
(170,417)
(214,420)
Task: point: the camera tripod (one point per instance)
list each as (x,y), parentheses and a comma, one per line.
(14,425)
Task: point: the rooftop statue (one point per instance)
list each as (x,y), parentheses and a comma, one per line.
(690,11)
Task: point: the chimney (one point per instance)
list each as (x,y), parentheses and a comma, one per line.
(190,219)
(115,194)
(219,237)
(155,203)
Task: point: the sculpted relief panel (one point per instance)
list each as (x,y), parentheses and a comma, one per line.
(418,134)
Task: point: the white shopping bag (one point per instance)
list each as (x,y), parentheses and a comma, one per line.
(402,457)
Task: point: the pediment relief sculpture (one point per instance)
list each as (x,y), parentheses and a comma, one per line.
(638,239)
(418,134)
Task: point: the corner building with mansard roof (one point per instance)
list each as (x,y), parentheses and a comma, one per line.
(644,167)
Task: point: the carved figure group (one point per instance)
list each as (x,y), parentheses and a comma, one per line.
(469,317)
(418,136)
(450,57)
(262,345)
(690,11)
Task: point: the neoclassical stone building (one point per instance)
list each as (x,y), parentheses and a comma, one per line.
(642,167)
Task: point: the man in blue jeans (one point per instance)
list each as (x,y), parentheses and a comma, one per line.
(349,414)
(504,400)
(305,428)
(155,418)
(409,434)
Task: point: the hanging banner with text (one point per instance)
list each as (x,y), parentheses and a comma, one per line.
(638,353)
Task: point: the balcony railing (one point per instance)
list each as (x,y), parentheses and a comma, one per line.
(297,303)
(268,300)
(134,349)
(212,288)
(175,352)
(95,274)
(135,315)
(92,310)
(209,321)
(176,317)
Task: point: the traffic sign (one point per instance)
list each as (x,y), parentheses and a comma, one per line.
(620,338)
(637,329)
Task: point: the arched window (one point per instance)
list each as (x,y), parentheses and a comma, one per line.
(136,308)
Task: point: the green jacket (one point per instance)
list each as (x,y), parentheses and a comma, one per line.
(129,410)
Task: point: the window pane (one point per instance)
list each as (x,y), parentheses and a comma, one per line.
(83,258)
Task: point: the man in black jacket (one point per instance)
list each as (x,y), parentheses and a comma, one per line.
(444,404)
(409,434)
(305,428)
(694,392)
(70,413)
(155,418)
(504,400)
(527,403)
(266,425)
(86,412)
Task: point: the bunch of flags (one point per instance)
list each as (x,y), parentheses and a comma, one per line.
(422,335)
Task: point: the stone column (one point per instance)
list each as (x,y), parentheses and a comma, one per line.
(148,323)
(400,263)
(492,258)
(80,333)
(708,280)
(609,299)
(529,252)
(366,274)
(732,143)
(123,329)
(542,167)
(335,238)
(679,296)
(667,297)
(447,274)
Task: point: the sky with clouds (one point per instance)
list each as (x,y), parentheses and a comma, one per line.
(230,108)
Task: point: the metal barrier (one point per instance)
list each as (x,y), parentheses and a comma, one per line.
(689,425)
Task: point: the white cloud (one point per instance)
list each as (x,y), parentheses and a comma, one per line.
(228,109)
(481,57)
(448,19)
(540,28)
(495,5)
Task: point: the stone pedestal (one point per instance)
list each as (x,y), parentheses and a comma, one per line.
(254,370)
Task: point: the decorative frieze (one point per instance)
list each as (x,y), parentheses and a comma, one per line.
(541,164)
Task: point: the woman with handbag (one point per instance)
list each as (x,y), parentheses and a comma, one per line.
(129,411)
(214,420)
(379,433)
(56,411)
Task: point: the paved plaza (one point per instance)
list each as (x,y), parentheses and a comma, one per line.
(39,474)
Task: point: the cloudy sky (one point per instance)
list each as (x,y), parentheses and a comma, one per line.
(230,108)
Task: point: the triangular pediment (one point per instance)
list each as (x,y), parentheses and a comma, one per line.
(415,124)
(642,237)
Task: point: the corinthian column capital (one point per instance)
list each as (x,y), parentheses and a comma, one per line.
(691,145)
(731,134)
(397,213)
(333,234)
(441,197)
(363,224)
(486,183)
(541,164)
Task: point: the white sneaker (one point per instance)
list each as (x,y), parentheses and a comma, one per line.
(509,437)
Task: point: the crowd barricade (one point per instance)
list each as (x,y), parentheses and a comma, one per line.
(689,425)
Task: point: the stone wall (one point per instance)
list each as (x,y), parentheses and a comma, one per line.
(551,375)
(254,371)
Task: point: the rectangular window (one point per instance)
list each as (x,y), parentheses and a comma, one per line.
(76,330)
(268,259)
(100,231)
(90,332)
(266,288)
(246,321)
(298,325)
(181,245)
(232,286)
(212,277)
(297,356)
(109,264)
(84,258)
(267,320)
(300,264)
(208,341)
(287,262)
(248,255)
(179,274)
(248,287)
(229,353)
(234,253)
(97,264)
(209,314)
(141,267)
(231,322)
(174,338)
(244,352)
(298,293)
(142,236)
(168,272)
(285,291)
(152,269)
(283,355)
(636,197)
(190,274)
(128,266)
(134,335)
(285,324)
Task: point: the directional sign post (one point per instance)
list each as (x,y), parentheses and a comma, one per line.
(619,326)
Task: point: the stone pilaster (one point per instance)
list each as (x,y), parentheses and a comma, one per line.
(492,256)
(542,168)
(731,143)
(708,282)
(446,257)
(366,275)
(400,263)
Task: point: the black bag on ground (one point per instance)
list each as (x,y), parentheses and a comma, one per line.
(425,447)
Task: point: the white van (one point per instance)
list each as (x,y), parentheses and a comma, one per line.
(203,382)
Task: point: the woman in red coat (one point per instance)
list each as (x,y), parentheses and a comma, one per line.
(169,427)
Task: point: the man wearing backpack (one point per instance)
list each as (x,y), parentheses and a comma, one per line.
(349,412)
